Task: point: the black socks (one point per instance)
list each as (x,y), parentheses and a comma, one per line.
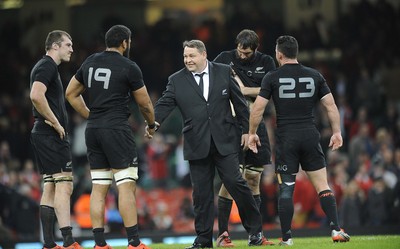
(328,204)
(133,235)
(48,217)
(224,211)
(286,209)
(67,236)
(99,239)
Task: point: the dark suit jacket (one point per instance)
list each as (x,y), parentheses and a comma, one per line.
(205,119)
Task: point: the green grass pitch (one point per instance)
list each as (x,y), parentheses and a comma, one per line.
(356,242)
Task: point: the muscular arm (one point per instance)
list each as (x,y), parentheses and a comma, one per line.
(40,103)
(247,91)
(256,115)
(143,100)
(74,96)
(334,119)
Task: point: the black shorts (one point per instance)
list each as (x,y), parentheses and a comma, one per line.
(263,157)
(297,147)
(52,155)
(109,148)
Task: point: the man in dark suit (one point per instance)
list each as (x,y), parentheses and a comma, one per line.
(203,92)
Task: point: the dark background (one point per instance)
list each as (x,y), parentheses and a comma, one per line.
(354,44)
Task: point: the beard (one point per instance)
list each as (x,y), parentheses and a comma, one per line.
(246,60)
(126,52)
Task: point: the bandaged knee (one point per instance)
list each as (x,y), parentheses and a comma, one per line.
(63,179)
(101,177)
(126,175)
(48,179)
(253,170)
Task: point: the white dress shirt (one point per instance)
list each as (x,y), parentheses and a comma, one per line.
(206,81)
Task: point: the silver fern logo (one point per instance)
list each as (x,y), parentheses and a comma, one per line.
(259,70)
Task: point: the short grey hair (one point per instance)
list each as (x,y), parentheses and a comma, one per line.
(199,45)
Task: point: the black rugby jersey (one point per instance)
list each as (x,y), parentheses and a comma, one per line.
(295,89)
(46,71)
(109,79)
(250,72)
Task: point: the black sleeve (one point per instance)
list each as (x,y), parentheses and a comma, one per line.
(166,104)
(240,105)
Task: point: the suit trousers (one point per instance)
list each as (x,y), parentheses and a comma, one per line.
(202,174)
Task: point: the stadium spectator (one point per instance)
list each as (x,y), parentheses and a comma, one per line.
(161,218)
(352,205)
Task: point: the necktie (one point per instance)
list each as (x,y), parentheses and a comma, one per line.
(201,83)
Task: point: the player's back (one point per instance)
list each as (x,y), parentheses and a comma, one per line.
(109,78)
(295,91)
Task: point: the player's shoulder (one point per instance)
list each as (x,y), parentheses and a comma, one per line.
(264,56)
(93,57)
(310,70)
(117,60)
(228,53)
(273,73)
(45,64)
(47,61)
(307,68)
(225,56)
(266,60)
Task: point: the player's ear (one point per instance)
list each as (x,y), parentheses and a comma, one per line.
(55,45)
(279,55)
(124,44)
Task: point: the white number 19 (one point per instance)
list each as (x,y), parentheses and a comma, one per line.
(101,75)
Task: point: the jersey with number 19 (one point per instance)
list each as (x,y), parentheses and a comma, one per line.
(109,78)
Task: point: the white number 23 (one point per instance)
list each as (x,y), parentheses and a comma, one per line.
(287,86)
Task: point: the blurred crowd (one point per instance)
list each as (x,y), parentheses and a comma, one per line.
(364,174)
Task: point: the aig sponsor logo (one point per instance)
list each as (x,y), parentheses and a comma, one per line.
(282,167)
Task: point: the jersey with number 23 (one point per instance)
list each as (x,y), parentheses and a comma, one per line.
(295,89)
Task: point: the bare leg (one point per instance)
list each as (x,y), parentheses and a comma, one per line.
(98,204)
(127,203)
(48,194)
(253,180)
(319,179)
(62,199)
